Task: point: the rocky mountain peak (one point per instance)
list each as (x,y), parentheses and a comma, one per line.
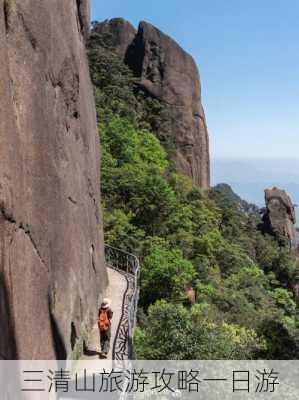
(169,74)
(116,33)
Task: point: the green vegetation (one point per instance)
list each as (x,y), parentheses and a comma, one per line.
(186,238)
(191,334)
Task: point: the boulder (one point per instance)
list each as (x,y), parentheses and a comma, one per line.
(279,217)
(52,271)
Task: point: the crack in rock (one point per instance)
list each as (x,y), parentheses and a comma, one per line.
(8,216)
(72,200)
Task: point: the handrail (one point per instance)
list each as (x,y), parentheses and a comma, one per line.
(121,259)
(129,264)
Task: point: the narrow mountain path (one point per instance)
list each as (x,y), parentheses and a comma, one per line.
(123,272)
(116,292)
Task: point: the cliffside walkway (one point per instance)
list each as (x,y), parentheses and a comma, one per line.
(123,273)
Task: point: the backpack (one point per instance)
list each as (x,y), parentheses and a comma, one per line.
(103,321)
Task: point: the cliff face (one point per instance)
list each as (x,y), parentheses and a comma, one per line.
(279,218)
(51,243)
(168,73)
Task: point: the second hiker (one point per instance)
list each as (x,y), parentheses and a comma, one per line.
(104,324)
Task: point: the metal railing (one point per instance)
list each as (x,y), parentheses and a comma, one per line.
(122,260)
(129,264)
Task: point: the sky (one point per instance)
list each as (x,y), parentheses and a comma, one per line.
(248,57)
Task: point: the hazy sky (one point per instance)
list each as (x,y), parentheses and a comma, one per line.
(248,56)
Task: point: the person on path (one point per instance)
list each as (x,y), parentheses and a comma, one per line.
(104,324)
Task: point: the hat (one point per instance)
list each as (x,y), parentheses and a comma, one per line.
(105,303)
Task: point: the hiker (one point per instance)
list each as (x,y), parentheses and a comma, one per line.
(104,324)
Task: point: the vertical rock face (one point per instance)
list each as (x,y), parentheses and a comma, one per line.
(169,74)
(51,243)
(279,218)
